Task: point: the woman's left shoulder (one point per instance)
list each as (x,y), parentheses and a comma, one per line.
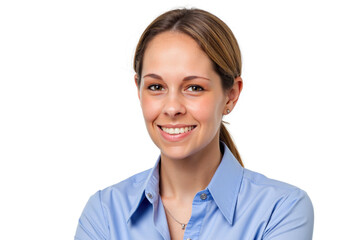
(263,183)
(287,209)
(275,194)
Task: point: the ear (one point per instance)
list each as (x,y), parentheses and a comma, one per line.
(136,84)
(233,94)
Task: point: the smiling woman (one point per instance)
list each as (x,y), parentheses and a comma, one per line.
(188,75)
(180,89)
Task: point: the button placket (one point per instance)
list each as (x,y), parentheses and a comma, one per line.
(149,195)
(203,196)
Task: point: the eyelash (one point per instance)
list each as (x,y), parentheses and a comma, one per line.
(156,87)
(193,88)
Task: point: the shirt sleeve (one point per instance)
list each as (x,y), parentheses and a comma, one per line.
(92,223)
(291,219)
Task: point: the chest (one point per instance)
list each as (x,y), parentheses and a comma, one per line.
(206,222)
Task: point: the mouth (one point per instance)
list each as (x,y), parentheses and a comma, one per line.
(177,130)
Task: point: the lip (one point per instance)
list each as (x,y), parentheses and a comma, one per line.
(175,137)
(176,125)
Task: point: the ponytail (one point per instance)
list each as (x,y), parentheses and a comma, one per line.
(227,139)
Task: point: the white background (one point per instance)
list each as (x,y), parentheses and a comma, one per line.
(70,121)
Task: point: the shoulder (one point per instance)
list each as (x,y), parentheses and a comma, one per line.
(287,209)
(274,196)
(131,182)
(113,202)
(260,182)
(128,188)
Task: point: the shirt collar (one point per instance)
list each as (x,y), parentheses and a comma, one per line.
(225,184)
(229,173)
(151,185)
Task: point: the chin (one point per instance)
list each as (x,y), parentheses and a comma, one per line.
(175,153)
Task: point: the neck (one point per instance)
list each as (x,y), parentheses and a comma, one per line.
(181,179)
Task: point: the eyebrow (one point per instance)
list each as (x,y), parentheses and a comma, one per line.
(188,78)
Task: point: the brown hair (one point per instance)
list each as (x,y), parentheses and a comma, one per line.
(213,36)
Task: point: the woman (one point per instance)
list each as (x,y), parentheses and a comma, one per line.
(188,74)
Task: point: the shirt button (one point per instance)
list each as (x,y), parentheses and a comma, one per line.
(150,195)
(203,196)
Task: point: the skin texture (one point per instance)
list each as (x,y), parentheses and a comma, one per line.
(179,87)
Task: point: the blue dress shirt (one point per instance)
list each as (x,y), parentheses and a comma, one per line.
(237,204)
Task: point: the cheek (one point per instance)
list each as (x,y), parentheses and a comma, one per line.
(207,110)
(151,109)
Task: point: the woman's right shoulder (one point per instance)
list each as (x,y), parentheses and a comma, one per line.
(127,187)
(113,202)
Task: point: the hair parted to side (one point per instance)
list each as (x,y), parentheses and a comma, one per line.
(213,36)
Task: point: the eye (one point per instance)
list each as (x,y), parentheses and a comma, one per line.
(195,88)
(156,87)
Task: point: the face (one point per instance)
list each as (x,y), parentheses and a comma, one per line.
(181,96)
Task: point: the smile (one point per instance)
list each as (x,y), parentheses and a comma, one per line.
(174,131)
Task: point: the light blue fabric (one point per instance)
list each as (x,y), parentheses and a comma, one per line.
(240,204)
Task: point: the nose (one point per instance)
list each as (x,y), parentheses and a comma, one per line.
(174,106)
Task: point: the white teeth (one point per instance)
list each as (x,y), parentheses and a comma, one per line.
(174,131)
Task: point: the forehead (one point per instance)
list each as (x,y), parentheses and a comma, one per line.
(174,51)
